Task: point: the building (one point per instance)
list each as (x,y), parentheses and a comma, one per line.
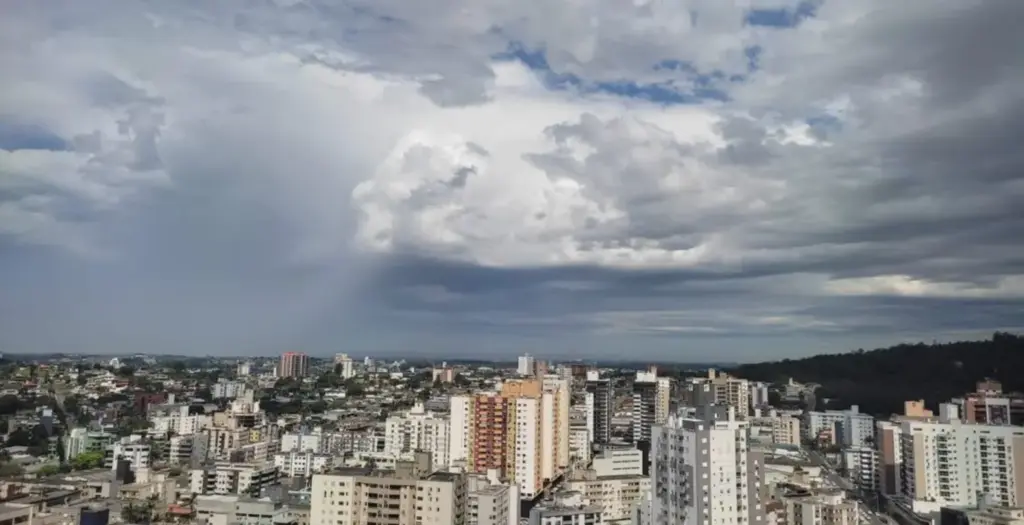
(566,509)
(526,365)
(618,461)
(418,430)
(408,495)
(244,369)
(603,407)
(804,508)
(645,405)
(82,440)
(890,457)
(861,466)
(949,463)
(232,478)
(345,366)
(786,431)
(696,458)
(302,442)
(490,502)
(459,417)
(916,408)
(442,374)
(302,464)
(243,510)
(616,496)
(759,395)
(555,424)
(719,389)
(847,428)
(990,405)
(224,389)
(988,515)
(131,449)
(293,364)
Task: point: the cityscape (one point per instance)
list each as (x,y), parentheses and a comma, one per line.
(511,262)
(346,440)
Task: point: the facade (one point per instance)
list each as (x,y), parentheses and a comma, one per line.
(951,463)
(129,448)
(556,514)
(759,395)
(786,431)
(848,428)
(346,365)
(227,389)
(861,465)
(82,440)
(616,495)
(526,365)
(293,364)
(299,442)
(618,462)
(490,502)
(458,423)
(555,424)
(719,389)
(990,405)
(302,464)
(604,404)
(820,509)
(419,430)
(232,478)
(705,473)
(406,496)
(645,405)
(890,457)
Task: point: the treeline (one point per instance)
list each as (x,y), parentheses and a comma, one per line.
(879,381)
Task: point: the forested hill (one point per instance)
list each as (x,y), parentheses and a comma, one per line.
(880,380)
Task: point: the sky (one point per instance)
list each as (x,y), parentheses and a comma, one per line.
(685,180)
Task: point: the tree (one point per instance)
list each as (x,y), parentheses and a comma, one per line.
(49,470)
(87,461)
(11,470)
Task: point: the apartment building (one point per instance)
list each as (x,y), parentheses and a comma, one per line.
(232,478)
(949,463)
(862,466)
(618,461)
(602,401)
(419,430)
(848,428)
(719,389)
(555,431)
(616,494)
(786,431)
(302,442)
(705,472)
(131,449)
(408,495)
(566,509)
(293,364)
(490,502)
(803,508)
(988,404)
(303,464)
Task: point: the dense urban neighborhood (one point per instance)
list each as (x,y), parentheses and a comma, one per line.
(310,441)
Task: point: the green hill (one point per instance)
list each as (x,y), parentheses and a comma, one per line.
(880,380)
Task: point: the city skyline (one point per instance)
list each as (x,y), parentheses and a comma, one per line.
(689,182)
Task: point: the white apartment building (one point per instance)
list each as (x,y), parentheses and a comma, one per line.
(704,473)
(227,389)
(616,495)
(129,448)
(490,502)
(301,442)
(419,430)
(618,462)
(526,365)
(579,443)
(182,450)
(359,496)
(527,472)
(861,465)
(820,509)
(569,510)
(758,395)
(555,431)
(176,420)
(849,428)
(348,369)
(720,389)
(951,463)
(786,430)
(232,478)
(303,464)
(458,428)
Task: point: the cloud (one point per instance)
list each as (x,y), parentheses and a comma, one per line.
(603,172)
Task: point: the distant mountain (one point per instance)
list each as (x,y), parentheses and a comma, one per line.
(878,381)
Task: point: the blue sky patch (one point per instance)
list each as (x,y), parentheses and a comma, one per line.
(782,17)
(15,136)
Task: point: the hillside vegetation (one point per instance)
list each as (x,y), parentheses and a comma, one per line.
(880,380)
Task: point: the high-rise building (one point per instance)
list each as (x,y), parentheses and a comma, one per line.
(293,364)
(849,428)
(645,403)
(526,365)
(346,366)
(459,419)
(786,430)
(804,508)
(949,463)
(556,421)
(604,403)
(704,471)
(419,430)
(719,389)
(990,405)
(664,401)
(758,395)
